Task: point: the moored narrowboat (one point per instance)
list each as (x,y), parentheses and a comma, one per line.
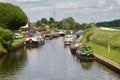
(73,48)
(84,52)
(34,41)
(48,36)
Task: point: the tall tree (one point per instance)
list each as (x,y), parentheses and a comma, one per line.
(51,20)
(68,23)
(11,16)
(44,21)
(38,23)
(59,25)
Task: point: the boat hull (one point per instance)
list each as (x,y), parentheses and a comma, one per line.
(85,57)
(48,36)
(34,43)
(73,49)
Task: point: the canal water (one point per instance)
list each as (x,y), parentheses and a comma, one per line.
(51,61)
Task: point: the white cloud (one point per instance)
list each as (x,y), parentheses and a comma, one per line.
(84,8)
(87,9)
(28,0)
(101,2)
(3,0)
(68,5)
(71,11)
(109,8)
(118,2)
(42,8)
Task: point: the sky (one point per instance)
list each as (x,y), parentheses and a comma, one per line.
(83,11)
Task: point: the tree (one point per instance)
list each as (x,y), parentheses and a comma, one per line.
(68,23)
(11,16)
(38,23)
(59,25)
(71,22)
(114,23)
(6,38)
(77,26)
(51,20)
(41,28)
(44,21)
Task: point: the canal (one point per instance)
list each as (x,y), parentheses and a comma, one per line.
(51,61)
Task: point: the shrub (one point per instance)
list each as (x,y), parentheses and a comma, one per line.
(6,38)
(41,28)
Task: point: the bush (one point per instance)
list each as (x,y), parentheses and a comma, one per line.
(6,38)
(41,28)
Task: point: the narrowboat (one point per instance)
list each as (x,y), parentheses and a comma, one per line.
(56,34)
(84,52)
(61,32)
(34,41)
(73,48)
(48,36)
(68,39)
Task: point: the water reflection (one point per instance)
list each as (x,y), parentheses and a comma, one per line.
(86,64)
(13,62)
(92,70)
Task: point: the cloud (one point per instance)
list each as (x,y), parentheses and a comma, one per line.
(25,1)
(3,0)
(109,8)
(118,2)
(68,5)
(40,8)
(70,11)
(73,8)
(101,2)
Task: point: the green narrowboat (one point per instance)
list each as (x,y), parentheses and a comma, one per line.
(84,50)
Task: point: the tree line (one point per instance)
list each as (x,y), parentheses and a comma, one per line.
(114,23)
(66,23)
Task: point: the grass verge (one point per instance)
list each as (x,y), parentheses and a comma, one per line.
(17,41)
(98,40)
(113,55)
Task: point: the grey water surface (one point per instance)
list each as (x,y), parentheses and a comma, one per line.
(52,61)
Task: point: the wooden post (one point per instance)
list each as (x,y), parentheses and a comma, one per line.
(108,48)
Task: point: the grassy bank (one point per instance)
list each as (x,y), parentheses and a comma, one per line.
(2,50)
(15,42)
(100,39)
